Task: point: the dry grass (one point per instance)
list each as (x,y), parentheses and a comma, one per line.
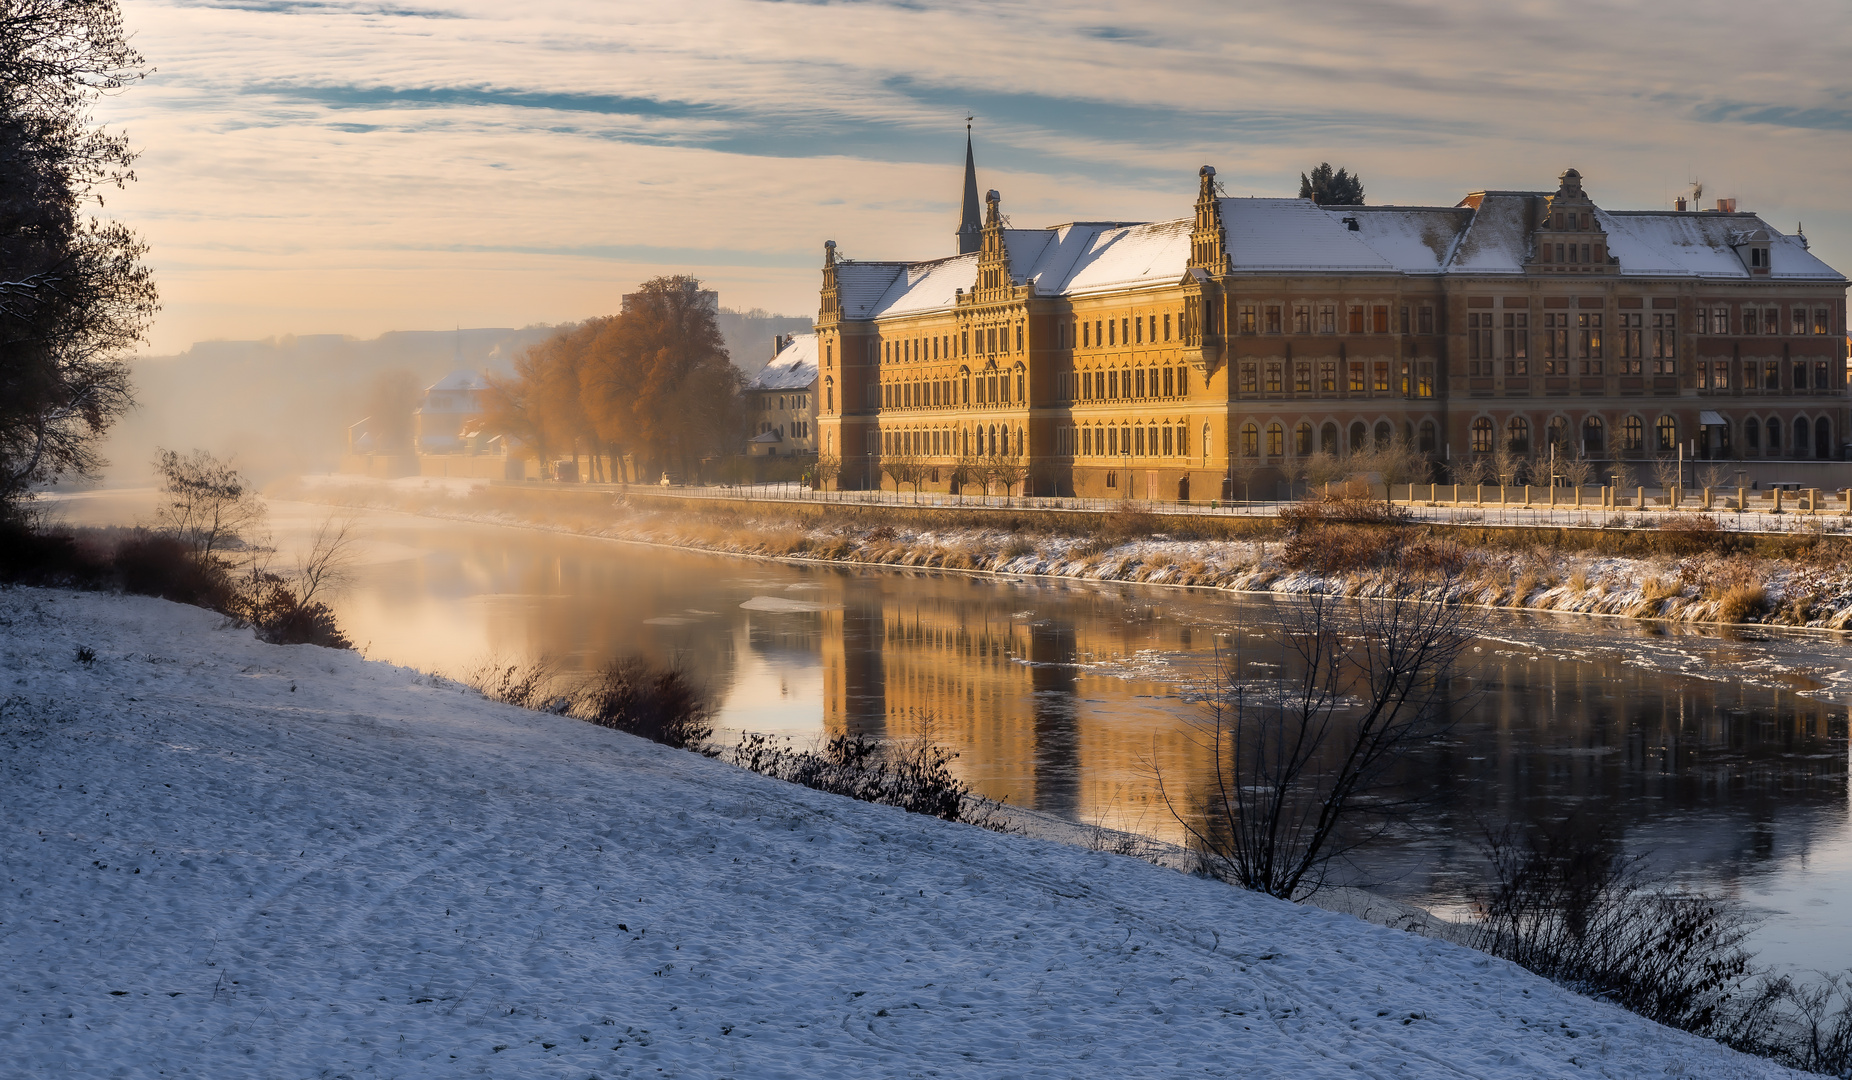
(1579,579)
(1655,589)
(1740,603)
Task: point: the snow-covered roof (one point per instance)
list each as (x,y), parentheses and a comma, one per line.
(794,368)
(1490,233)
(460,380)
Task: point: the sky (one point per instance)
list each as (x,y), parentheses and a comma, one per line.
(359,166)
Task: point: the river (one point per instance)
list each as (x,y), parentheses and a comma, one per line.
(1722,757)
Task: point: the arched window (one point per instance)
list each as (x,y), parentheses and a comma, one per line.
(1359,438)
(1559,433)
(1801,438)
(1517,435)
(1276,440)
(1427,437)
(1328,439)
(1632,434)
(1774,434)
(1666,430)
(1482,435)
(1250,439)
(1594,436)
(1752,433)
(1384,434)
(1823,438)
(1302,439)
(1207,446)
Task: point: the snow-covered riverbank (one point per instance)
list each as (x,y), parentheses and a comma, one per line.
(225,858)
(1814,592)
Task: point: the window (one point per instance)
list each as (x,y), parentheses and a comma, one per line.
(1169,383)
(1479,343)
(1167,442)
(1183,382)
(1517,342)
(1517,435)
(1771,322)
(1632,434)
(1379,319)
(1800,376)
(1302,378)
(1018,337)
(1428,437)
(1247,319)
(1328,439)
(1276,440)
(1819,376)
(1799,446)
(1404,322)
(1752,433)
(1328,319)
(1273,318)
(1302,318)
(1183,440)
(1328,376)
(1797,317)
(1424,380)
(1771,375)
(1138,330)
(1112,332)
(1250,379)
(1822,320)
(1631,342)
(1125,331)
(1140,379)
(1774,434)
(1359,438)
(1302,439)
(1427,320)
(1720,320)
(1588,342)
(1482,436)
(1721,380)
(1356,376)
(1556,343)
(1380,382)
(1593,436)
(1167,326)
(1356,319)
(1665,344)
(1273,379)
(1250,439)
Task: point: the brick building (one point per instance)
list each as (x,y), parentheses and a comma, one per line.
(1142,359)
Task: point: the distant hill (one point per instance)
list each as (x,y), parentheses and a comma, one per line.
(282,405)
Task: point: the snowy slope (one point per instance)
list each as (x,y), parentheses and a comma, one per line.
(225,859)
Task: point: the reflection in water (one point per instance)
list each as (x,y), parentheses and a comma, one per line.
(1725,757)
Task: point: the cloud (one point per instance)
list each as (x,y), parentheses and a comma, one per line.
(336,144)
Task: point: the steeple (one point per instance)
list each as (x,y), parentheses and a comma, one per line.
(970,226)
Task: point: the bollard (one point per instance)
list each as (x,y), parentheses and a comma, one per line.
(1479,495)
(1742,499)
(1813,500)
(1578,496)
(1642,497)
(1527,496)
(1501,493)
(1707,500)
(1433,494)
(1776,495)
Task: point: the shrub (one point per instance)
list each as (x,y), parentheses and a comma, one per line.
(1341,508)
(156,564)
(1125,524)
(282,616)
(1691,534)
(1565,906)
(915,775)
(660,704)
(1655,589)
(1740,603)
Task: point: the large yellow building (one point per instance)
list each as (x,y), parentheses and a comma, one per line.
(1144,359)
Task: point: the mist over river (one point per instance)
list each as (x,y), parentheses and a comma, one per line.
(1723,755)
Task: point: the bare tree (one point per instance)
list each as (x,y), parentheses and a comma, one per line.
(902,469)
(827,468)
(209,507)
(1241,470)
(1007,469)
(1323,468)
(1575,469)
(1297,762)
(1666,472)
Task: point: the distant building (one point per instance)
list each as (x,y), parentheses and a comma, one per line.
(1152,359)
(782,400)
(448,403)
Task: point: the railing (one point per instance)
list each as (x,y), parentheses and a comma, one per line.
(1451,504)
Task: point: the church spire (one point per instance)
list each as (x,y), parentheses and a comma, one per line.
(970,226)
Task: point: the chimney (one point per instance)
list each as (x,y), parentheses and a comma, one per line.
(1727,206)
(1678,203)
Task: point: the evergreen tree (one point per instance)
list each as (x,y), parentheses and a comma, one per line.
(1327,188)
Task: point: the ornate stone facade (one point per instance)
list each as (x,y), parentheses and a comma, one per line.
(1146,359)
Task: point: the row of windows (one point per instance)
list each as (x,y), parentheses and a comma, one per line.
(1253,439)
(993,388)
(984,440)
(1570,344)
(1361,377)
(989,340)
(1716,320)
(785,401)
(1148,439)
(1115,384)
(1809,436)
(1110,333)
(1715,375)
(800,429)
(1323,319)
